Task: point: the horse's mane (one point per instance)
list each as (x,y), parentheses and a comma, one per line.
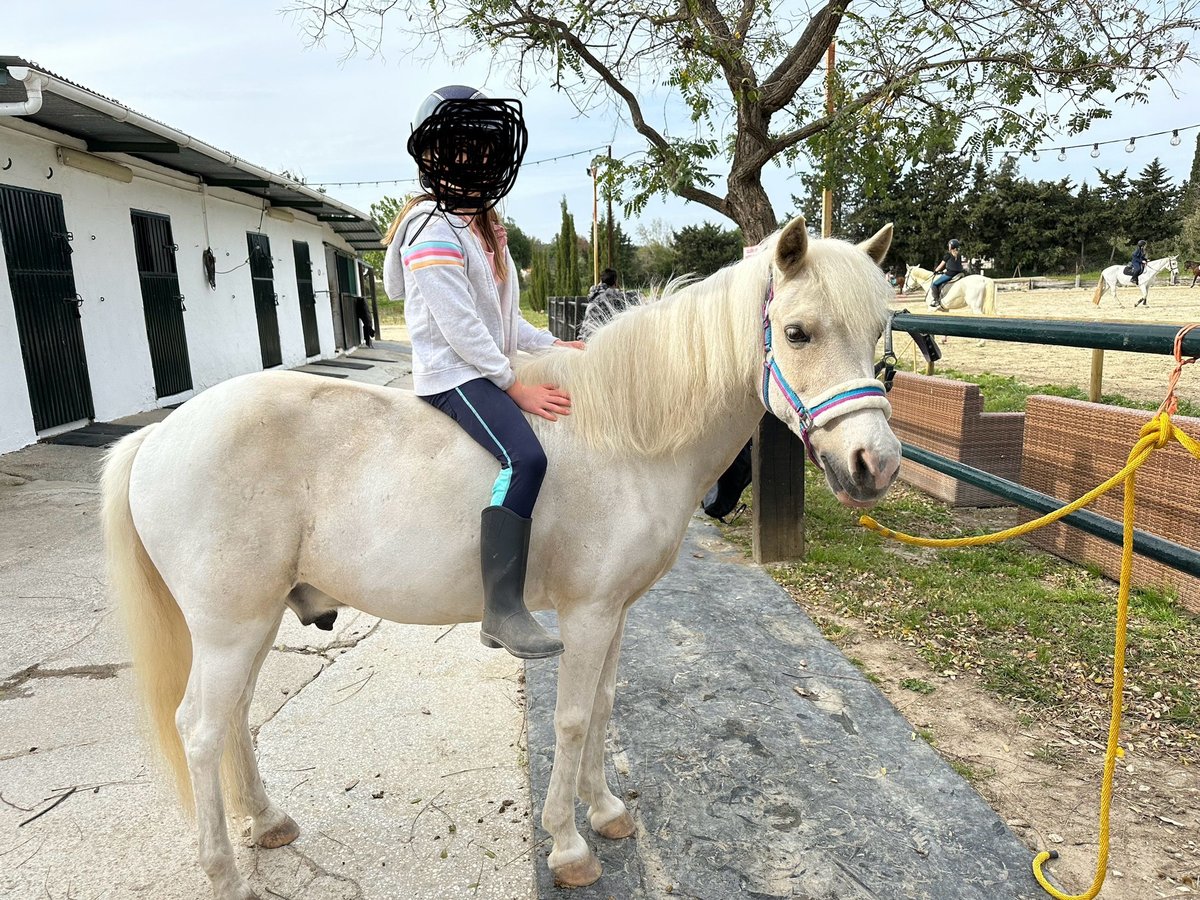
(636,391)
(662,373)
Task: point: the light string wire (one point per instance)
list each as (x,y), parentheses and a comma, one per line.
(1174,132)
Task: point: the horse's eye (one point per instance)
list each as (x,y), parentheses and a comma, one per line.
(796,335)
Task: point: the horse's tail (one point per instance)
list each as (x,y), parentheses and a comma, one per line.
(158,635)
(1099,291)
(989,297)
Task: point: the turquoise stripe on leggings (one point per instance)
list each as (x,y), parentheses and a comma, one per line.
(500,488)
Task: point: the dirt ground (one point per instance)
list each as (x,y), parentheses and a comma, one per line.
(1045,782)
(1134,375)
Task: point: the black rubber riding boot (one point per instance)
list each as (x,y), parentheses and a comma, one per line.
(504,545)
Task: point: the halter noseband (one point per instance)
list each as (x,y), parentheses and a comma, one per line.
(855,394)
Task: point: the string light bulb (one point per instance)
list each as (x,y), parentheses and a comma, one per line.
(1095,151)
(1035,156)
(1175,139)
(1062,155)
(1129,148)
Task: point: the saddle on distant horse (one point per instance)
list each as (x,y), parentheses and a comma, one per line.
(935,290)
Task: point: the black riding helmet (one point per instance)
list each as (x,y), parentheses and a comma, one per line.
(954,245)
(467,147)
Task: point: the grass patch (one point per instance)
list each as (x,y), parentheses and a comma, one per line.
(391,312)
(535,318)
(963,769)
(917,685)
(1050,753)
(1033,629)
(1003,393)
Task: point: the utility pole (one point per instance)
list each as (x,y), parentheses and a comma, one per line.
(827,194)
(595,227)
(612,256)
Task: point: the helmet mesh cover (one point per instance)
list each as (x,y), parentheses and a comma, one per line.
(468,152)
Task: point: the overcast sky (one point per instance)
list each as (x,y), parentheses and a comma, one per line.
(240,76)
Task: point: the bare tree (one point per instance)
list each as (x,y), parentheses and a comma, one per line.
(910,74)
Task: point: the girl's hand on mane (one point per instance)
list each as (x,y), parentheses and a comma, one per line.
(543,400)
(578,345)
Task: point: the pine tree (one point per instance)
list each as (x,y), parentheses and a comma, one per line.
(1153,214)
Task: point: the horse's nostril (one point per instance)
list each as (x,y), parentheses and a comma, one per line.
(862,472)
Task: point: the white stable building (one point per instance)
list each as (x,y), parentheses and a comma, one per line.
(139,265)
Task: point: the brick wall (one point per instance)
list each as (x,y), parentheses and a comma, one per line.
(1072,446)
(946,417)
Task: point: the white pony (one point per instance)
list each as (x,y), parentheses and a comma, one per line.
(976,292)
(1114,275)
(234,509)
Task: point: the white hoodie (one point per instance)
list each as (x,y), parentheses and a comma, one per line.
(460,326)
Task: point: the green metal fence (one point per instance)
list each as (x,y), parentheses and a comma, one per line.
(1061,333)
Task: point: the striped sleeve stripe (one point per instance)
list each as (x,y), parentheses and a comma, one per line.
(437,261)
(433,253)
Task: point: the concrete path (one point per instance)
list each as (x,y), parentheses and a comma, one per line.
(398,749)
(759,763)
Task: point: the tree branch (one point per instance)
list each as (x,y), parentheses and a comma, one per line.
(793,70)
(644,128)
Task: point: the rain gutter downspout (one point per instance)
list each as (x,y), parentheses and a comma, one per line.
(34,82)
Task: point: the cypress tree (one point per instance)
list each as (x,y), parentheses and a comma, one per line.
(566,252)
(539,279)
(1191,196)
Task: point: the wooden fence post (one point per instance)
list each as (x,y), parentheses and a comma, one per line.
(778,486)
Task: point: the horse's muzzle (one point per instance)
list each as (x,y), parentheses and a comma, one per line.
(865,480)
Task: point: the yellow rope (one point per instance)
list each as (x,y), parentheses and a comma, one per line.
(1156,433)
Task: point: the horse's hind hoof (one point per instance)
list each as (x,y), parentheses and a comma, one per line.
(279,835)
(620,827)
(579,874)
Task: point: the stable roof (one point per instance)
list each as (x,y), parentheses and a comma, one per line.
(107,126)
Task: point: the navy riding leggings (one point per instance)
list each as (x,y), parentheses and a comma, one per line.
(492,418)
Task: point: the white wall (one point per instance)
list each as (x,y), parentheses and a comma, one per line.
(221,326)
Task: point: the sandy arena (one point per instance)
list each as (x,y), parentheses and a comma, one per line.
(1141,376)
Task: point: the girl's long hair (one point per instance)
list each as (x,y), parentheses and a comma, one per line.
(412,201)
(486,231)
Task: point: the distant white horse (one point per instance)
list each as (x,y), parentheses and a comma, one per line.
(976,292)
(1114,275)
(234,508)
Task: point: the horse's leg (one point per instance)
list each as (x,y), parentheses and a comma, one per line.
(270,827)
(588,636)
(223,657)
(606,812)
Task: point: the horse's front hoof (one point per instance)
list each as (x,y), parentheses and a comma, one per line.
(279,835)
(580,873)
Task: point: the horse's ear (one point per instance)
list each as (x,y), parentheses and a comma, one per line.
(792,247)
(877,245)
